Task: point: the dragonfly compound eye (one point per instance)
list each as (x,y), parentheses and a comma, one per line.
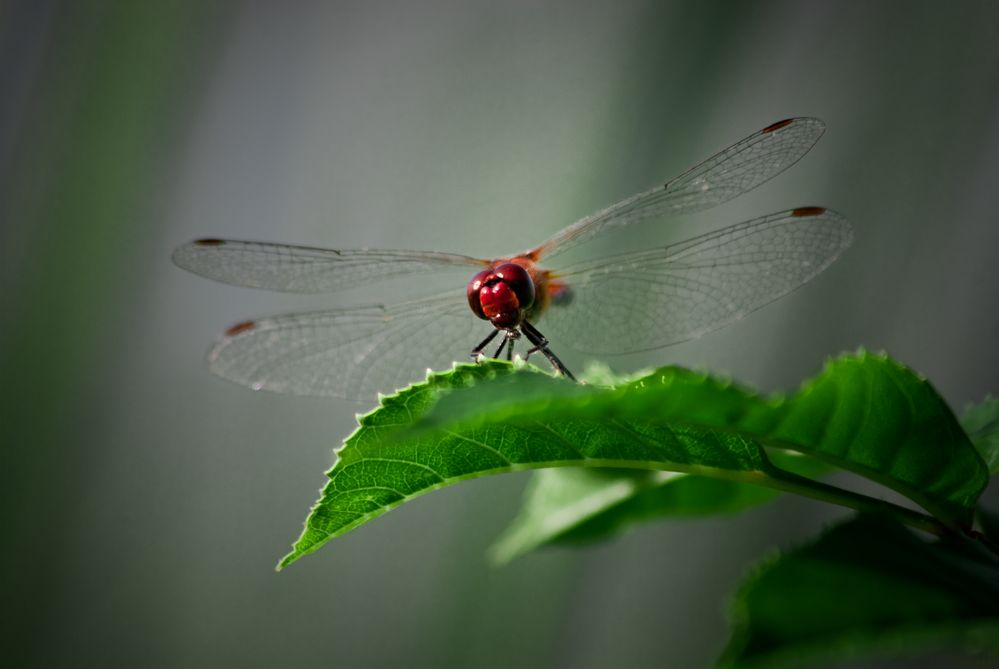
(501,295)
(472,292)
(518,279)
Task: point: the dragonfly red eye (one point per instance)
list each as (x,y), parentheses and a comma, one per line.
(472,292)
(501,295)
(519,280)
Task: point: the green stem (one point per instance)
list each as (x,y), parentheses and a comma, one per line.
(799,485)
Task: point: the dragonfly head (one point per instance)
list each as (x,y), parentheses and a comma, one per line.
(502,295)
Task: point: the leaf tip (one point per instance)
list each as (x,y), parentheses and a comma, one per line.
(286,560)
(500,554)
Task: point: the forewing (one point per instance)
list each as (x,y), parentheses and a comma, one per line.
(736,170)
(350,353)
(645,300)
(304,269)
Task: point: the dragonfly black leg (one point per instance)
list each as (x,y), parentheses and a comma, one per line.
(541,344)
(499,351)
(509,349)
(477,351)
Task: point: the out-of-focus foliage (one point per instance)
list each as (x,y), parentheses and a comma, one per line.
(981,422)
(867,586)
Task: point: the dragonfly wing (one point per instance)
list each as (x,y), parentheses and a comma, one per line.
(349,353)
(729,173)
(304,269)
(646,300)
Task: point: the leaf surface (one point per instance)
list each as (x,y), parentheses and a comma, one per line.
(864,413)
(386,462)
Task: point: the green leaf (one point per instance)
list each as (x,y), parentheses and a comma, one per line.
(981,422)
(575,505)
(384,464)
(373,474)
(869,586)
(479,420)
(864,413)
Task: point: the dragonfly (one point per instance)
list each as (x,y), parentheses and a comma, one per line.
(626,302)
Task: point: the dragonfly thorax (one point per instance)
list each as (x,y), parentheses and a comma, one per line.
(502,295)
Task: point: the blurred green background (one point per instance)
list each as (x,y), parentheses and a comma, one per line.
(145,502)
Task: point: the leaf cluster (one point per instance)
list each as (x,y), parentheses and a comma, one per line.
(680,443)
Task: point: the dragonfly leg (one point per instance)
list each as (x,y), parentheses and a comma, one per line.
(541,344)
(499,351)
(509,349)
(477,351)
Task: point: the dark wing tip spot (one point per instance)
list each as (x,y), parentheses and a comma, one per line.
(240,328)
(801,212)
(778,125)
(211,241)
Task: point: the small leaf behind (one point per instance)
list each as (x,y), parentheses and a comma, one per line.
(574,505)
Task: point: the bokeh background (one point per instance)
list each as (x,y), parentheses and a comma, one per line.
(144,502)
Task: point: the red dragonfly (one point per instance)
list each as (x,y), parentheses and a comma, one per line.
(623,303)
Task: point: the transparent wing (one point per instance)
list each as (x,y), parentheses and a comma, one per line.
(645,300)
(739,168)
(349,353)
(304,269)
